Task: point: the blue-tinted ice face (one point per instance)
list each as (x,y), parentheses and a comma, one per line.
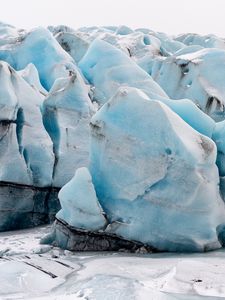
(148,162)
(152,173)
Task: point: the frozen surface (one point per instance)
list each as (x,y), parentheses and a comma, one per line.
(40,48)
(206,41)
(30,74)
(31,271)
(23,136)
(156,158)
(67,111)
(107,68)
(197,76)
(44,135)
(80,206)
(163,174)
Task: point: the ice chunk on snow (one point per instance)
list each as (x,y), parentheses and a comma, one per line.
(80,206)
(152,173)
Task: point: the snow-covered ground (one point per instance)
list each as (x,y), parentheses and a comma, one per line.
(32,271)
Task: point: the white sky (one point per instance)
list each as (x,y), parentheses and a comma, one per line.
(170,16)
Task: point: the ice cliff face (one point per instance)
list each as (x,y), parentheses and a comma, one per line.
(174,184)
(137,116)
(44,135)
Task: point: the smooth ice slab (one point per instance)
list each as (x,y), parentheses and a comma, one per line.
(80,206)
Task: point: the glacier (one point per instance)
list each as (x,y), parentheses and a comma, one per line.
(174,175)
(118,132)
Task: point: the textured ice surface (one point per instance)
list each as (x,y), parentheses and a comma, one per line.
(107,68)
(80,206)
(157,147)
(73,44)
(40,48)
(26,155)
(66,115)
(32,167)
(197,76)
(206,41)
(32,271)
(161,175)
(30,74)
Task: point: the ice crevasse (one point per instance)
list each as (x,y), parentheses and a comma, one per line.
(129,124)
